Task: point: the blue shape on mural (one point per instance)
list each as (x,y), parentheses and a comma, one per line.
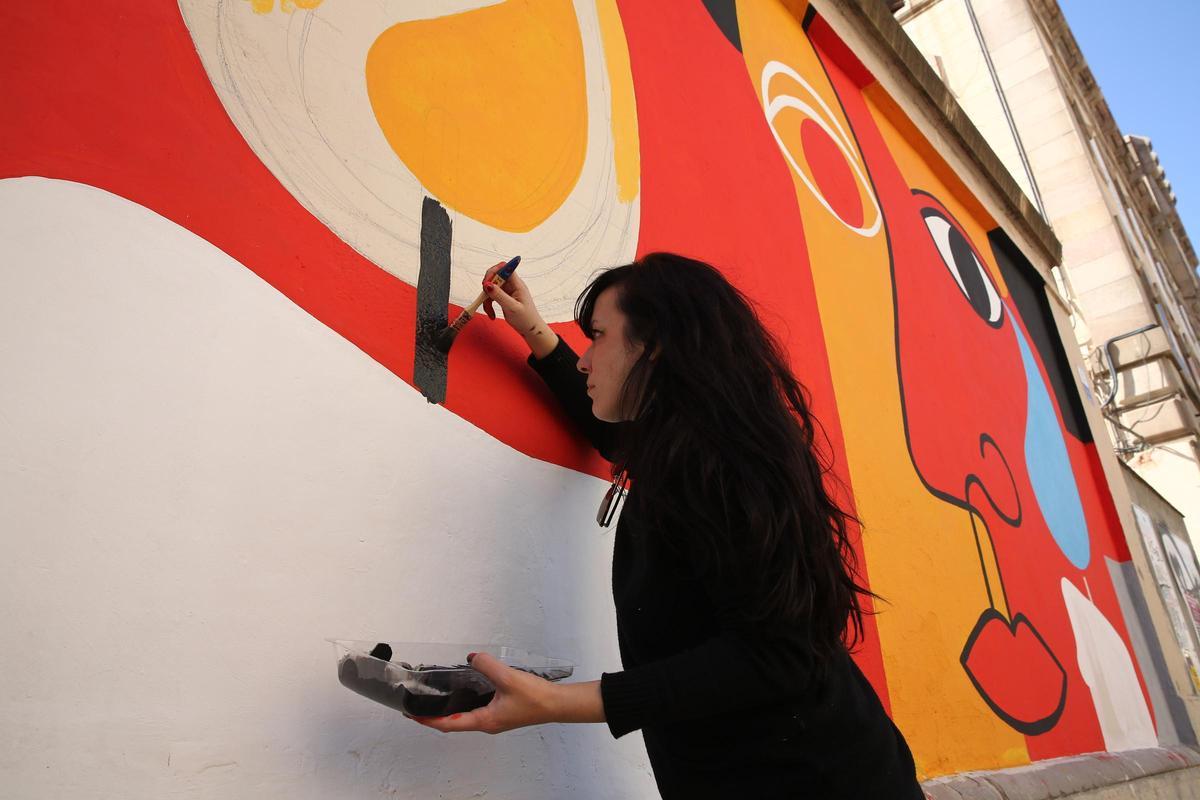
(1050,466)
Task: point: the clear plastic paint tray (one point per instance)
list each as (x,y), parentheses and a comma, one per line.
(426,679)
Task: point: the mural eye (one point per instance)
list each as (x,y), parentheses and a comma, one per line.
(960,259)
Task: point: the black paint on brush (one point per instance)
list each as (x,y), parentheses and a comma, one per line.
(433,298)
(445,338)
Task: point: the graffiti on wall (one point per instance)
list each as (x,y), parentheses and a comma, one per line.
(1173,563)
(371,161)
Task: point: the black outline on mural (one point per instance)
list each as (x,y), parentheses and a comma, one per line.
(987,584)
(724,16)
(1015,521)
(810,14)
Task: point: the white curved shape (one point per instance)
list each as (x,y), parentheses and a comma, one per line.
(199,482)
(772,107)
(295,87)
(1108,671)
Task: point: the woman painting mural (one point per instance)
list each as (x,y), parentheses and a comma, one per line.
(731,567)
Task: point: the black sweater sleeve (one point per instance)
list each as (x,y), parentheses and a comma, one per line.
(558,369)
(737,668)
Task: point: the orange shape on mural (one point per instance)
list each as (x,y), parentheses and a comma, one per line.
(487,108)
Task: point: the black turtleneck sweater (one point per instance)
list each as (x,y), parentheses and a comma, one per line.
(723,707)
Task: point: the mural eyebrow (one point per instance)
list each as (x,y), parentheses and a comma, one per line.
(938,205)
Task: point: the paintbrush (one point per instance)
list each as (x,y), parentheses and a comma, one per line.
(445,337)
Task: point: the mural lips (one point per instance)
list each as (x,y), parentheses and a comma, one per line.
(1015,672)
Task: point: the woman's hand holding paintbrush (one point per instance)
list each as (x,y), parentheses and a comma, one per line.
(520,312)
(495,276)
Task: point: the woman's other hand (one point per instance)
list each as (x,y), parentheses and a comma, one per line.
(521,699)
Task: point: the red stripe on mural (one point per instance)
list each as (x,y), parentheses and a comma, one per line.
(715,187)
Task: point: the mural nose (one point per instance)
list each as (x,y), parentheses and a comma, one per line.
(996,487)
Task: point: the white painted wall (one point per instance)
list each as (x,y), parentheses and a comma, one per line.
(199,482)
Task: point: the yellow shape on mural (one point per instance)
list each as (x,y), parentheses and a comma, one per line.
(626,152)
(920,552)
(487,108)
(266,6)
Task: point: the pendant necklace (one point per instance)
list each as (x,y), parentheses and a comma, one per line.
(612,498)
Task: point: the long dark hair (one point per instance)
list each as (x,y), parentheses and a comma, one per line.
(723,426)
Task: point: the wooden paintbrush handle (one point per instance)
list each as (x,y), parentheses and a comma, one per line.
(497,281)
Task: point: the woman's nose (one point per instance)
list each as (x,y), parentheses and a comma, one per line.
(584,364)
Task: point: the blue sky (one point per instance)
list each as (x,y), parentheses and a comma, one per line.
(1146,58)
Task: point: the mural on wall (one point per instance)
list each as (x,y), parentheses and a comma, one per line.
(371,161)
(1182,559)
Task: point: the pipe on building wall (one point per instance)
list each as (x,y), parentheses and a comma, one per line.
(1012,125)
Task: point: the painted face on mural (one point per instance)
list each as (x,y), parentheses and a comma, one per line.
(982,425)
(608,359)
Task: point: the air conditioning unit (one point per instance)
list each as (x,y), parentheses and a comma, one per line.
(1139,349)
(1162,421)
(1148,382)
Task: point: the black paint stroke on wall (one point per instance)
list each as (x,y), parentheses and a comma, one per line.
(433,298)
(1027,290)
(724,13)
